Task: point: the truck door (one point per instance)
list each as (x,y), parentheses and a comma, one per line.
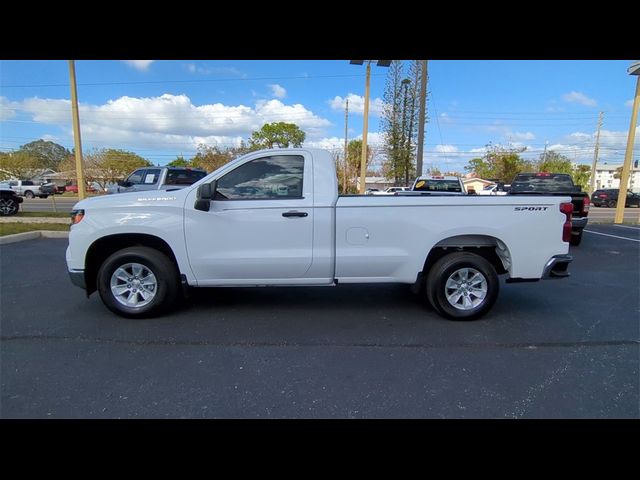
(260,222)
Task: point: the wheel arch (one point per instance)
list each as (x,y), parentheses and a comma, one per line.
(105,246)
(494,250)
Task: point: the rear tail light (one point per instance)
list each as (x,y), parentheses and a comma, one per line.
(567,209)
(585,205)
(76,216)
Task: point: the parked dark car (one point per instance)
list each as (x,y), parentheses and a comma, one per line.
(9,200)
(608,197)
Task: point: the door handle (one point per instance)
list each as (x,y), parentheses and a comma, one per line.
(293,213)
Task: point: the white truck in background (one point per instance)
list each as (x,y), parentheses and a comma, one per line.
(274,218)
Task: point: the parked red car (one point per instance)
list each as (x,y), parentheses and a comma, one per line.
(74,188)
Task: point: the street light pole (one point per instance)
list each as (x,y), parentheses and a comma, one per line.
(626,167)
(76,131)
(365,128)
(421,118)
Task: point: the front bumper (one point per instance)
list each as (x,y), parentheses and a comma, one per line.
(557,267)
(77,278)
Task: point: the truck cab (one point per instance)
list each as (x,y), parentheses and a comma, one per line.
(158,178)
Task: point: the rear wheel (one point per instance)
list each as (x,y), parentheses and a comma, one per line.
(462,286)
(138,282)
(611,204)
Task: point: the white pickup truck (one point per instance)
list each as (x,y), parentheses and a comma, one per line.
(274,217)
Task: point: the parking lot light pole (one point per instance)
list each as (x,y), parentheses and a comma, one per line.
(76,131)
(363,160)
(634,69)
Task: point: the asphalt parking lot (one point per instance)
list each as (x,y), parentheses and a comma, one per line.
(552,349)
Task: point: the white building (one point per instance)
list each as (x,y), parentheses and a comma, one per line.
(605,173)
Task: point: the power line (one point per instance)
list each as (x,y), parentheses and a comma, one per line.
(205,80)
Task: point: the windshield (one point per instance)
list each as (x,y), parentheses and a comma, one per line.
(437,186)
(547,183)
(488,187)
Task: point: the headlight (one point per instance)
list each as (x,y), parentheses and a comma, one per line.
(76,216)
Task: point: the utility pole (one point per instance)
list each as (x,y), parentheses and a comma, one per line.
(365,128)
(421,118)
(544,154)
(346,145)
(592,184)
(76,131)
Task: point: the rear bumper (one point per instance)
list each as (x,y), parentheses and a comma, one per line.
(557,267)
(77,278)
(579,222)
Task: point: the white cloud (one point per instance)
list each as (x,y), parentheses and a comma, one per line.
(519,136)
(171,121)
(578,97)
(142,65)
(446,148)
(6,109)
(278,91)
(356,104)
(629,103)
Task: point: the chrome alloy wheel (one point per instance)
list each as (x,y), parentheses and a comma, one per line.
(133,285)
(466,288)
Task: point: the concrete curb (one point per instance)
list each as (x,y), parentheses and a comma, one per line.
(21,237)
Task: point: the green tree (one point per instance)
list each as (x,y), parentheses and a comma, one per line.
(180,161)
(499,163)
(110,165)
(277,134)
(554,162)
(49,153)
(400,121)
(211,158)
(354,160)
(581,175)
(20,165)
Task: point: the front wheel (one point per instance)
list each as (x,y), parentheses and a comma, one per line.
(462,286)
(28,194)
(138,282)
(8,206)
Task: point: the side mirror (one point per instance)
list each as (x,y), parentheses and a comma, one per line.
(204,195)
(124,183)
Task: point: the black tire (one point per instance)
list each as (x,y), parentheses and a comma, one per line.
(446,267)
(166,287)
(576,237)
(611,204)
(8,206)
(28,194)
(43,196)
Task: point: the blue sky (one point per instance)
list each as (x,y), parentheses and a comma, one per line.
(160,109)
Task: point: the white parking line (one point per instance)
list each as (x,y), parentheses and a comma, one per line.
(614,236)
(625,226)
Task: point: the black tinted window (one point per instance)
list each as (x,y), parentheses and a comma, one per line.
(184,177)
(437,186)
(277,177)
(540,183)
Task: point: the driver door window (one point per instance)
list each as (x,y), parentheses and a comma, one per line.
(278,177)
(136,177)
